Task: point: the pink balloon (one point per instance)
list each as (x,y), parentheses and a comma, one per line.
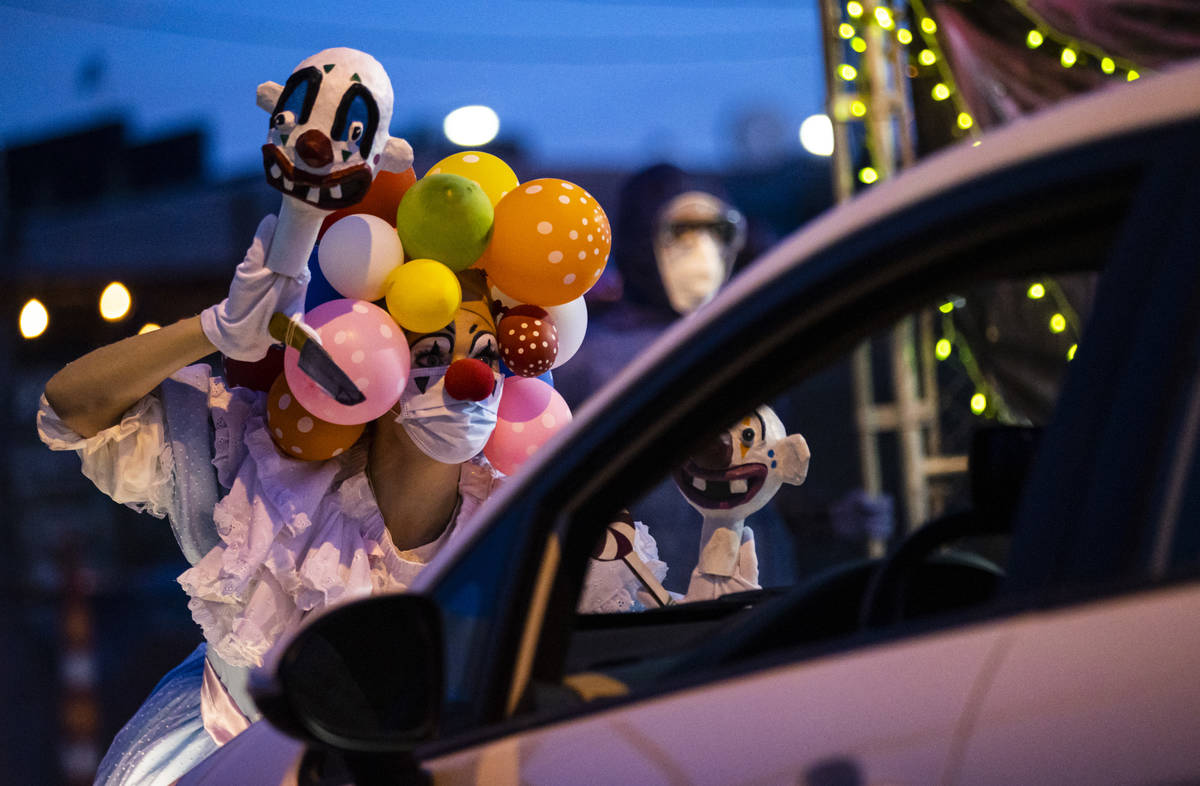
(531,412)
(368,345)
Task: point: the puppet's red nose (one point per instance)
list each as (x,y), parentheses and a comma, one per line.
(469,379)
(716,453)
(315,148)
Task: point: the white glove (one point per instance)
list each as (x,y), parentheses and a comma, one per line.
(238,324)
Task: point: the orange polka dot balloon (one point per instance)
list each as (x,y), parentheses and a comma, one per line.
(301,435)
(550,242)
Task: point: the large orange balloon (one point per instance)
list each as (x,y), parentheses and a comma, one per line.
(550,242)
(381,200)
(301,435)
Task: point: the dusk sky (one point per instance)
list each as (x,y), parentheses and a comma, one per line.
(590,83)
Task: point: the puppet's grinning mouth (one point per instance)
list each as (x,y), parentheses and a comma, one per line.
(330,191)
(720,489)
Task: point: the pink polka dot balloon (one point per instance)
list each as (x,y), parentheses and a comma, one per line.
(368,345)
(531,412)
(550,242)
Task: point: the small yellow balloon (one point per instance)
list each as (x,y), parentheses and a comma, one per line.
(495,177)
(423,295)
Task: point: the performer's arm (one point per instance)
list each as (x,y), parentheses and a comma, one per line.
(92,393)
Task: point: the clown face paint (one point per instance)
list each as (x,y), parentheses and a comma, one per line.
(450,406)
(740,469)
(328,133)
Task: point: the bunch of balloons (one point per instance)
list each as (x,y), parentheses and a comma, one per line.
(542,245)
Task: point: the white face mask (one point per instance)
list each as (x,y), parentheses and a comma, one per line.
(444,428)
(692,269)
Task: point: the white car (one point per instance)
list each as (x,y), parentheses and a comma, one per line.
(1035,619)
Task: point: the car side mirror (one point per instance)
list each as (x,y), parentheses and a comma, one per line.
(365,677)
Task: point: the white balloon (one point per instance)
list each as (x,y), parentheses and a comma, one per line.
(357,253)
(570,319)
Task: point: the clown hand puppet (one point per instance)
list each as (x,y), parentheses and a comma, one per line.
(734,474)
(328,137)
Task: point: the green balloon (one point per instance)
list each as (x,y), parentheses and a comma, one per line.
(445,217)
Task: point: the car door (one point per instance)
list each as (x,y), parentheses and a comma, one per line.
(1101,688)
(894,703)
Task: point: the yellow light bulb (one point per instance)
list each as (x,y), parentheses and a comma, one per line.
(965,121)
(847,72)
(1107,65)
(858,108)
(979,403)
(928,25)
(940,92)
(854,9)
(946,307)
(926,57)
(1068,57)
(846,30)
(884,17)
(858,45)
(1034,39)
(1132,75)
(1036,292)
(115,302)
(1071,352)
(1058,323)
(34,319)
(868,175)
(904,36)
(149,327)
(942,349)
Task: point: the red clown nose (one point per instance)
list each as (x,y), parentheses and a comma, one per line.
(469,379)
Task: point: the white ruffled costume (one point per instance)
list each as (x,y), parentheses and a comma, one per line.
(286,538)
(269,538)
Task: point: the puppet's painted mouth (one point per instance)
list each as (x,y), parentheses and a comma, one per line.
(720,489)
(337,189)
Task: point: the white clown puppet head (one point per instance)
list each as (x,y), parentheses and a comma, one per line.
(328,138)
(328,132)
(739,470)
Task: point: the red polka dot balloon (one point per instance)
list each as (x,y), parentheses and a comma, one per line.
(550,242)
(528,340)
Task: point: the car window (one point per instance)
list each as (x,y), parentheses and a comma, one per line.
(803,492)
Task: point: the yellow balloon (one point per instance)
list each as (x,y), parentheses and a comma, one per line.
(423,295)
(494,176)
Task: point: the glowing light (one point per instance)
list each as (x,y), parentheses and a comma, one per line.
(471,126)
(1034,39)
(928,25)
(903,35)
(846,30)
(858,45)
(976,143)
(940,92)
(816,135)
(926,57)
(1071,352)
(868,175)
(149,327)
(1058,323)
(942,349)
(884,17)
(115,302)
(1068,57)
(847,72)
(854,9)
(858,108)
(1036,292)
(946,307)
(1107,65)
(965,121)
(34,319)
(979,403)
(1132,75)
